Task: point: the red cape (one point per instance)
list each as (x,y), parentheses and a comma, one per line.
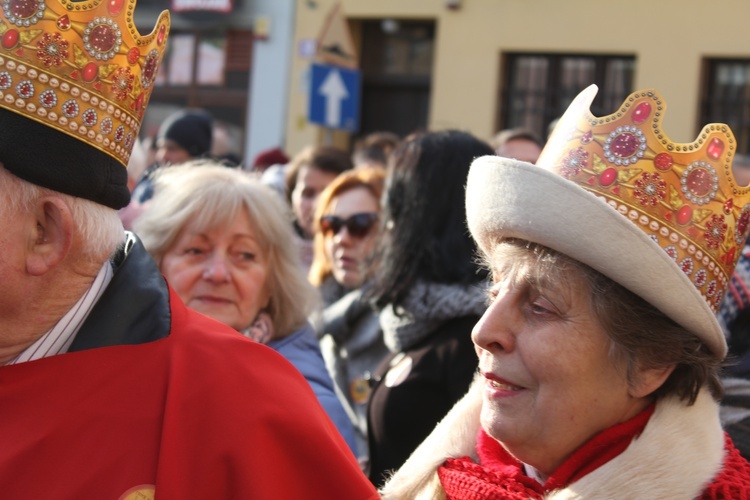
(176,415)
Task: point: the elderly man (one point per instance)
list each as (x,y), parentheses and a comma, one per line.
(109,386)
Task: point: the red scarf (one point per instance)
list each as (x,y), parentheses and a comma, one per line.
(501,477)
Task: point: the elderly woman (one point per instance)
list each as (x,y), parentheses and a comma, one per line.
(346,223)
(224,242)
(599,352)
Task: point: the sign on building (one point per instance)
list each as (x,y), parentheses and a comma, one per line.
(334,97)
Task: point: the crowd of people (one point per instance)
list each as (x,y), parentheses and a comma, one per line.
(433,316)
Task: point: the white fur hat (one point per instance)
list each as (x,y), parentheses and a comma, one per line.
(653,230)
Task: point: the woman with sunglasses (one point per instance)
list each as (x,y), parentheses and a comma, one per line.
(223,241)
(346,230)
(428,286)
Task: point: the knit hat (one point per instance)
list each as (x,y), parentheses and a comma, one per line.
(74,85)
(192,130)
(270,157)
(666,221)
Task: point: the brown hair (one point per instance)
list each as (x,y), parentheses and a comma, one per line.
(372,179)
(642,336)
(512,134)
(325,158)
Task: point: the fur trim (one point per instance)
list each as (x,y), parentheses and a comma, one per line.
(678,454)
(455,436)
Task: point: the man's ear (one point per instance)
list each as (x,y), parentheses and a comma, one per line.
(53,236)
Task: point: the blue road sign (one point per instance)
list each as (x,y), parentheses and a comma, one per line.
(334,97)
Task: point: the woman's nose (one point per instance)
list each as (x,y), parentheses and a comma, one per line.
(343,237)
(496,329)
(216,268)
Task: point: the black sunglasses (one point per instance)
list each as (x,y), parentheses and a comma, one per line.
(358,225)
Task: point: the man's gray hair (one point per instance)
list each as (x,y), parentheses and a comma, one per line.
(99,227)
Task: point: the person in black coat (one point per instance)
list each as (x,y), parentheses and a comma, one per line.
(431,293)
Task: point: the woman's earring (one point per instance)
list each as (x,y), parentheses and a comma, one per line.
(261,330)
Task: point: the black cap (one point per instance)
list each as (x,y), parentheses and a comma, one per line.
(46,157)
(191,129)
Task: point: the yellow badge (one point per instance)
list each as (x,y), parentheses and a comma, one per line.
(142,492)
(360,390)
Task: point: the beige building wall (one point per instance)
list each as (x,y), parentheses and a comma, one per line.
(669,39)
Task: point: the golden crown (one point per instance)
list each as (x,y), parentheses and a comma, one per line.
(80,67)
(684,196)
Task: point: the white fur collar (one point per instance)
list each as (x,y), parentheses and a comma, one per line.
(679,452)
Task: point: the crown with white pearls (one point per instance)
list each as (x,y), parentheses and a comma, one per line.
(80,67)
(684,196)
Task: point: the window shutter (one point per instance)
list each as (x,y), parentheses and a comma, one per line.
(239,50)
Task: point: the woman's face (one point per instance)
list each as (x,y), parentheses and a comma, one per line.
(310,182)
(550,383)
(222,273)
(347,246)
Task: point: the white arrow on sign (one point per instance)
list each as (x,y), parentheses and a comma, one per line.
(334,90)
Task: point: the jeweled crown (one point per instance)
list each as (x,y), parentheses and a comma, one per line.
(684,196)
(80,67)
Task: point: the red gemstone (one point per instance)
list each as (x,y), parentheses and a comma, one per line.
(161,35)
(587,137)
(742,222)
(90,71)
(10,39)
(608,177)
(23,8)
(624,145)
(115,6)
(715,148)
(591,181)
(684,215)
(74,75)
(699,182)
(103,38)
(133,55)
(641,112)
(616,190)
(691,231)
(730,256)
(149,67)
(663,161)
(728,206)
(139,101)
(63,22)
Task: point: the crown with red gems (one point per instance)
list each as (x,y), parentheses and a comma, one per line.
(684,196)
(80,67)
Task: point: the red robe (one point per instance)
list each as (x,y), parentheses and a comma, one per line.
(176,415)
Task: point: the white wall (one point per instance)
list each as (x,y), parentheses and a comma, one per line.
(269,81)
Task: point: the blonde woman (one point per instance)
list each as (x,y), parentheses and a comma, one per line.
(224,242)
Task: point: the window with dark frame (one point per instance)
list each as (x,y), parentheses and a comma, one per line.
(537,88)
(207,70)
(726,98)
